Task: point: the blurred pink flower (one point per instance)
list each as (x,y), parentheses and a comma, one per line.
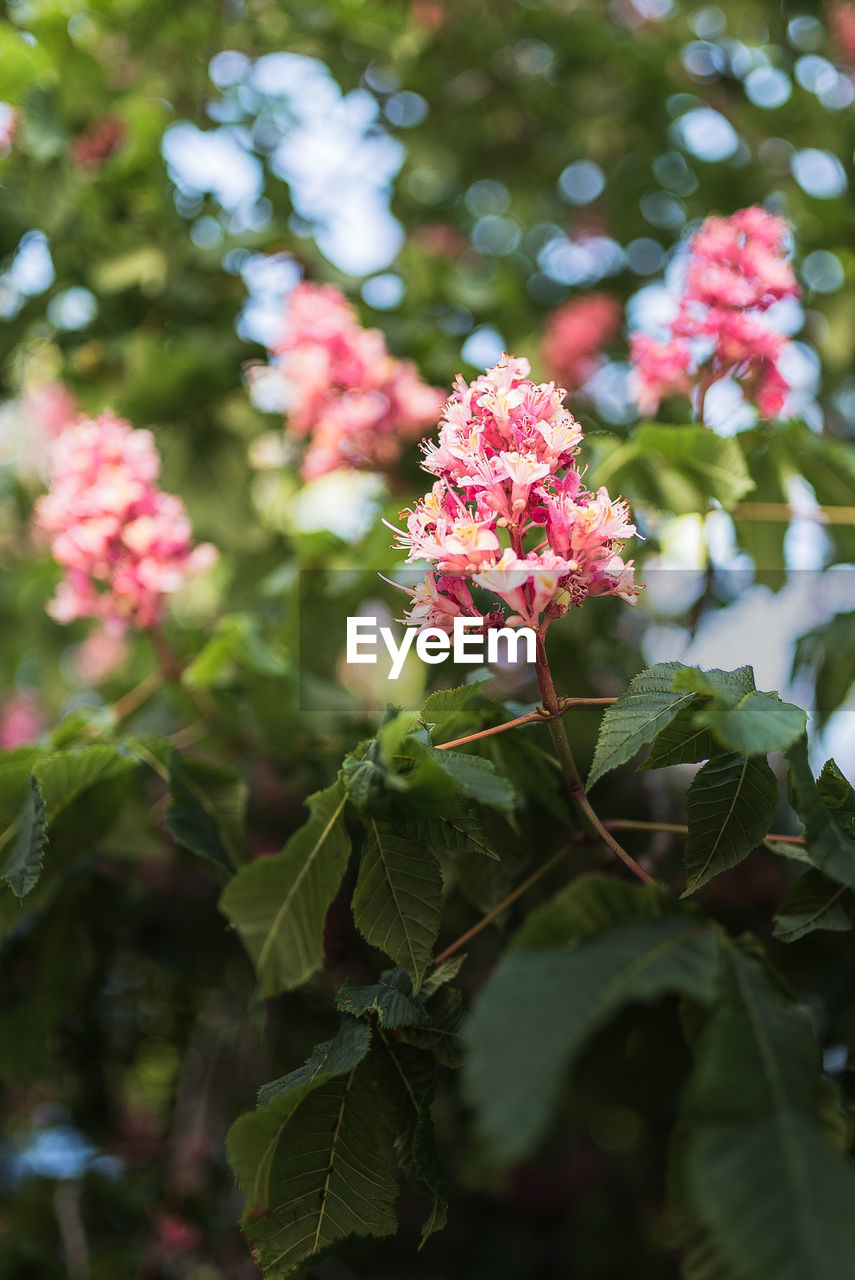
(575,336)
(508,510)
(125,545)
(21,720)
(355,403)
(735,270)
(98,656)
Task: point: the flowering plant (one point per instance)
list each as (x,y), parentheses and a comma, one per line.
(342,390)
(125,545)
(735,270)
(509,511)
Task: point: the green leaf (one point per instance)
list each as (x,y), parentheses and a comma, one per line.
(438,1030)
(65,775)
(772,1192)
(639,715)
(407,1078)
(205,812)
(252,1140)
(828,654)
(827,842)
(589,905)
(476,778)
(447,707)
(440,974)
(463,833)
(814,902)
(541,1007)
(756,725)
(329,1178)
(278,905)
(728,687)
(398,899)
(682,741)
(21,864)
(685,467)
(729,805)
(390,999)
(310,1160)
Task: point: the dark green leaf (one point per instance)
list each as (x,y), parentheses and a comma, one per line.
(827,842)
(541,1007)
(398,899)
(729,805)
(390,999)
(476,778)
(205,811)
(21,861)
(643,711)
(728,687)
(682,741)
(814,902)
(278,905)
(773,1194)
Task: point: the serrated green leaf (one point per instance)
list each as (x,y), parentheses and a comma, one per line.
(814,902)
(21,862)
(541,1007)
(439,1030)
(278,905)
(439,974)
(447,707)
(639,715)
(682,741)
(827,843)
(838,795)
(398,899)
(390,999)
(65,775)
(476,778)
(407,1077)
(728,687)
(329,1178)
(762,1179)
(463,833)
(253,1138)
(757,724)
(729,805)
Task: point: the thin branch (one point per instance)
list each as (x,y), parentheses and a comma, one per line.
(540,716)
(572,777)
(134,699)
(680,829)
(503,906)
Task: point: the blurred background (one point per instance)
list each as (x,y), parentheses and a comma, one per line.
(461,170)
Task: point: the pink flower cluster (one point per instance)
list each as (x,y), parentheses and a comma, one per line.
(508,509)
(736,268)
(355,403)
(575,336)
(125,546)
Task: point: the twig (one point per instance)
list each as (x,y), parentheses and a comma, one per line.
(503,906)
(134,699)
(567,764)
(680,829)
(66,1207)
(540,716)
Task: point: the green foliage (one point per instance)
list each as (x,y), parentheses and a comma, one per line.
(678,469)
(22,860)
(771,1192)
(398,899)
(826,814)
(649,704)
(278,905)
(389,999)
(206,811)
(729,805)
(814,902)
(542,1006)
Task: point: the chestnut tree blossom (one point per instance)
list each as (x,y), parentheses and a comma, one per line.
(355,404)
(508,510)
(125,546)
(735,270)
